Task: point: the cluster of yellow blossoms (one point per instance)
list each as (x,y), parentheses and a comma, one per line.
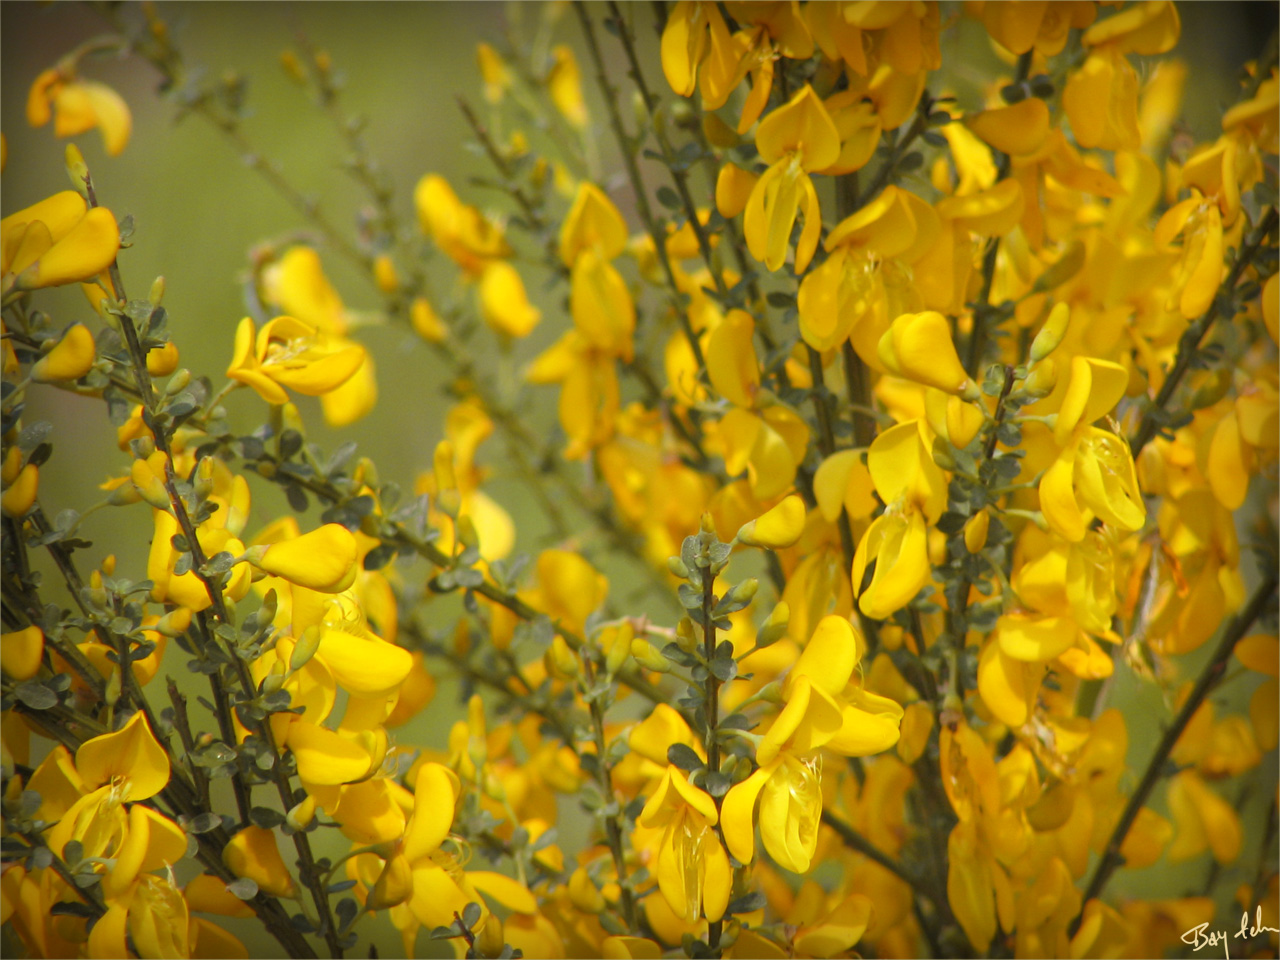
(984,398)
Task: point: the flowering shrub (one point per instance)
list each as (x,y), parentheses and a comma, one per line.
(925,419)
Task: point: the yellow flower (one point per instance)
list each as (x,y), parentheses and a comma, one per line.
(1045,26)
(601,304)
(503,302)
(252,853)
(918,346)
(794,139)
(150,908)
(460,230)
(289,353)
(296,285)
(1200,266)
(914,489)
(494,72)
(21,652)
(322,560)
(816,715)
(592,223)
(71,359)
(56,241)
(589,392)
(1019,128)
(130,758)
(564,83)
(692,867)
(77,106)
(1094,469)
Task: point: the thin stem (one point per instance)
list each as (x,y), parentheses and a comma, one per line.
(627,148)
(712,714)
(1209,678)
(613,821)
(1189,343)
(856,841)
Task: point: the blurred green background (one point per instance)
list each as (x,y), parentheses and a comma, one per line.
(199,210)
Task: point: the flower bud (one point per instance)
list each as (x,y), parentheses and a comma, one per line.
(975,531)
(305,648)
(301,815)
(111,695)
(561,660)
(426,322)
(77,170)
(150,487)
(156,295)
(1051,334)
(678,568)
(619,648)
(177,383)
(491,938)
(648,657)
(1041,381)
(466,528)
(174,623)
(384,274)
(686,636)
(775,628)
(163,360)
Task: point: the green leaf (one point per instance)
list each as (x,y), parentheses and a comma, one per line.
(682,756)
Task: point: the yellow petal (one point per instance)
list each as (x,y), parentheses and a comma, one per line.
(778,528)
(130,754)
(323,560)
(253,853)
(504,304)
(592,222)
(1016,129)
(21,652)
(919,347)
(990,213)
(899,546)
(364,665)
(435,790)
(1035,639)
(86,250)
(802,126)
(326,758)
(731,359)
(734,186)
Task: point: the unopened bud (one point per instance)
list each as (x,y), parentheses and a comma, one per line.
(1041,381)
(156,295)
(648,657)
(300,816)
(178,382)
(289,61)
(1051,334)
(775,628)
(112,694)
(491,939)
(678,568)
(384,274)
(305,648)
(686,637)
(174,623)
(77,170)
(975,531)
(561,660)
(707,524)
(640,109)
(619,649)
(108,565)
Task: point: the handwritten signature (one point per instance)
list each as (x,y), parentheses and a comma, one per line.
(1201,936)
